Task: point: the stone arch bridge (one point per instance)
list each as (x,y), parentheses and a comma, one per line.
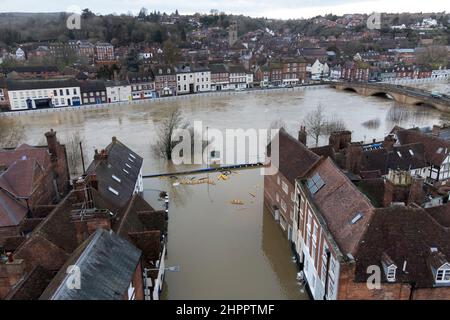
(401,94)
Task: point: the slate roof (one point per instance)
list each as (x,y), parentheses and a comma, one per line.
(164,69)
(31,69)
(436,149)
(107,264)
(121,162)
(92,86)
(218,68)
(40,84)
(404,157)
(295,159)
(339,201)
(404,234)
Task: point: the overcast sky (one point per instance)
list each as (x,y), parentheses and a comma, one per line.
(283,9)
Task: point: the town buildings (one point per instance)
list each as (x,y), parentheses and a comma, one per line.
(142,85)
(103,228)
(118,91)
(165,80)
(35,94)
(345,198)
(32,182)
(93,92)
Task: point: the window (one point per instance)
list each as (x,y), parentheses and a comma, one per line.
(131,160)
(443,274)
(285,187)
(125,171)
(116,178)
(283,205)
(132,155)
(74,91)
(126,164)
(315,183)
(55,93)
(390,276)
(277,197)
(61,93)
(278,180)
(67,92)
(113,191)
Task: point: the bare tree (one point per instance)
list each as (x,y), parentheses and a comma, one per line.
(335,124)
(433,56)
(11,133)
(165,144)
(74,153)
(316,124)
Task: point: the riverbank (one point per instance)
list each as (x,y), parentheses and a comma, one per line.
(161,99)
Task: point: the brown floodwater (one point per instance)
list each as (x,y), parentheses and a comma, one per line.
(225,251)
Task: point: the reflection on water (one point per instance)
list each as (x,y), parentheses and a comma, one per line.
(415,115)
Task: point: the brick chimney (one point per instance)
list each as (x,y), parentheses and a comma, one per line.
(397,187)
(353,157)
(52,143)
(389,142)
(91,221)
(302,135)
(416,192)
(340,140)
(102,155)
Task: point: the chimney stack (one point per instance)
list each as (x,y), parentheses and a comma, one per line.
(52,143)
(353,157)
(302,135)
(436,130)
(416,192)
(389,142)
(397,187)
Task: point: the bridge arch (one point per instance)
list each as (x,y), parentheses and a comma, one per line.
(383,94)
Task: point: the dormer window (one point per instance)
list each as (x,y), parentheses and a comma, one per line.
(390,276)
(389,267)
(443,274)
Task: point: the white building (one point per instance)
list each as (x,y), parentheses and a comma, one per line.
(440,74)
(317,70)
(202,76)
(185,80)
(117,91)
(20,54)
(25,94)
(193,79)
(238,77)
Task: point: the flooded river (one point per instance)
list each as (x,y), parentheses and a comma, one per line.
(224,250)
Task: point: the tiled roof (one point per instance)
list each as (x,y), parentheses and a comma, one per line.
(339,202)
(436,149)
(407,235)
(295,159)
(404,157)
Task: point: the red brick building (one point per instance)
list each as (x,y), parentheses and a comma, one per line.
(33,180)
(294,161)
